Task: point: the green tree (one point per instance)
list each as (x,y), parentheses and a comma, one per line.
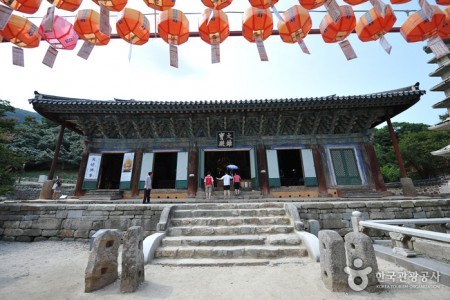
(443,117)
(10,162)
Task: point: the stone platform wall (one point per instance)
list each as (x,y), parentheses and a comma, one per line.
(34,222)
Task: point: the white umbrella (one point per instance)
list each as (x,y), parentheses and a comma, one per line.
(232,167)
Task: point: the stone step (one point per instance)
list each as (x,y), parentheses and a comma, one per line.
(209,262)
(228,230)
(230,252)
(230,221)
(259,212)
(212,206)
(235,240)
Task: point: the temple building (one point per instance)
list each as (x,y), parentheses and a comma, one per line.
(307,147)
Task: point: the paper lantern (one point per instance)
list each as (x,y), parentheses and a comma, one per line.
(87,26)
(133,26)
(160,5)
(296,24)
(443,2)
(399,1)
(213,30)
(263,4)
(21,32)
(311,4)
(371,26)
(114,5)
(25,6)
(69,5)
(217,4)
(417,28)
(444,28)
(257,24)
(334,32)
(63,35)
(173,26)
(357,2)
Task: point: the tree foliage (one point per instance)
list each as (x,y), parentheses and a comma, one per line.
(416,142)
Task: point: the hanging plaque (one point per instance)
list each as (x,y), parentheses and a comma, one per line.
(225,139)
(50,57)
(85,50)
(261,50)
(18,57)
(438,47)
(5,14)
(348,50)
(173,56)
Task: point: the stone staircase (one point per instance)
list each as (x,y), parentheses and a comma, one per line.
(217,195)
(230,234)
(102,195)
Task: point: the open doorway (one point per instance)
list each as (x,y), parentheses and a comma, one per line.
(164,170)
(110,171)
(290,167)
(217,161)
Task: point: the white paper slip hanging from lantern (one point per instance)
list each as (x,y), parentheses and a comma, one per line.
(48,19)
(85,50)
(5,14)
(173,56)
(385,44)
(50,57)
(438,47)
(18,57)
(379,6)
(348,50)
(333,9)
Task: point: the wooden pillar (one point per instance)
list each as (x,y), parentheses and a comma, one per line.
(56,153)
(81,171)
(193,171)
(262,169)
(136,173)
(321,181)
(375,168)
(398,155)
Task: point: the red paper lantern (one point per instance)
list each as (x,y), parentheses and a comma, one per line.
(257,24)
(417,28)
(133,26)
(399,1)
(263,4)
(444,28)
(69,5)
(335,32)
(213,30)
(296,25)
(311,4)
(443,2)
(25,6)
(357,2)
(173,27)
(87,26)
(63,35)
(217,4)
(21,32)
(160,5)
(114,5)
(371,26)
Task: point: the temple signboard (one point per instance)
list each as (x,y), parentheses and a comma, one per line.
(225,139)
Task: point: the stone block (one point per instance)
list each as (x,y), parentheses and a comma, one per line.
(132,260)
(405,204)
(433,249)
(335,224)
(25,224)
(420,215)
(332,261)
(74,214)
(408,188)
(313,227)
(24,238)
(101,269)
(49,233)
(362,262)
(47,223)
(32,232)
(381,215)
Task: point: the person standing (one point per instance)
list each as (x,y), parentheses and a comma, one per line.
(209,182)
(147,188)
(57,188)
(226,185)
(237,183)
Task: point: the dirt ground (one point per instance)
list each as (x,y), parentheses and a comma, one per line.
(55,270)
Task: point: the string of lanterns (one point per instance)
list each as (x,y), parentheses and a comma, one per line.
(430,24)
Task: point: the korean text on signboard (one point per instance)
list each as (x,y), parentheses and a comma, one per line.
(225,139)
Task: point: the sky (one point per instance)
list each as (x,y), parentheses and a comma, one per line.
(289,73)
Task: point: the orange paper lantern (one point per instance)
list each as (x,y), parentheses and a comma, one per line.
(217,4)
(417,28)
(87,26)
(371,26)
(173,26)
(357,2)
(296,24)
(114,5)
(444,28)
(311,4)
(263,4)
(160,5)
(443,2)
(257,24)
(133,26)
(213,30)
(69,5)
(335,32)
(25,6)
(399,1)
(21,32)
